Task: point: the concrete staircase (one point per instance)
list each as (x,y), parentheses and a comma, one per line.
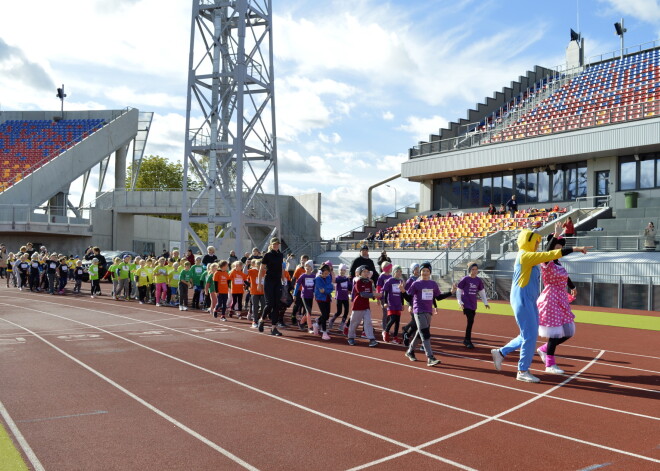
(389,221)
(630,222)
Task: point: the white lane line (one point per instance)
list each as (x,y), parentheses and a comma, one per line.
(227,378)
(72,416)
(25,446)
(499,419)
(399,364)
(135,397)
(483,422)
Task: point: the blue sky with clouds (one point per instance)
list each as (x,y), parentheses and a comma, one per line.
(357,82)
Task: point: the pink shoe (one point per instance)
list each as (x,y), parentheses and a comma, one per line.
(325,336)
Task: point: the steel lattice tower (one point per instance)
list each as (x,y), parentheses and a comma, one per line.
(230,123)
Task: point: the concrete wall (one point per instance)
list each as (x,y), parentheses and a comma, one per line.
(68,245)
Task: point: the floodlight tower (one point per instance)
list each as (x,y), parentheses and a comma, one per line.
(230,123)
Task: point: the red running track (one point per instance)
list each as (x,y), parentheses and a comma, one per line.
(97,384)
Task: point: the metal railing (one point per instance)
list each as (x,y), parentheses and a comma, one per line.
(616,54)
(393,214)
(631,112)
(598,289)
(25,214)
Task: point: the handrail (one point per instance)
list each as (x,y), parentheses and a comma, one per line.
(611,116)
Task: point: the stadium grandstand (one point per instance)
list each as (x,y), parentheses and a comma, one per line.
(580,141)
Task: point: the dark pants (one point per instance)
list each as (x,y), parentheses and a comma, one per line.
(469,313)
(342,305)
(183,294)
(237,302)
(142,293)
(272,294)
(222,303)
(553,342)
(324,307)
(393,322)
(34,279)
(195,298)
(96,287)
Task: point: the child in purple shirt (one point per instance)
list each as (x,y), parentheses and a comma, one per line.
(422,293)
(305,285)
(466,294)
(344,286)
(386,267)
(394,304)
(410,328)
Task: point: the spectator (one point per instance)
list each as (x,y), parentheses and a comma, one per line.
(210,256)
(291,264)
(512,204)
(232,257)
(569,229)
(28,249)
(165,254)
(491,209)
(364,259)
(502,209)
(244,258)
(383,258)
(103,264)
(649,234)
(190,257)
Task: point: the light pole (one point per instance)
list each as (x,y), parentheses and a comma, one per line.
(61,95)
(394,188)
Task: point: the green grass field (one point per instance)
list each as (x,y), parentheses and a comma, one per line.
(10,458)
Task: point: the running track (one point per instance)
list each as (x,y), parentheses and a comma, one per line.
(94,384)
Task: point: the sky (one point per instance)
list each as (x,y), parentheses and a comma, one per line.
(358,82)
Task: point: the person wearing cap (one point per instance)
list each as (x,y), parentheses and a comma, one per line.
(467,290)
(393,304)
(422,294)
(271,272)
(344,286)
(363,259)
(525,290)
(556,320)
(363,291)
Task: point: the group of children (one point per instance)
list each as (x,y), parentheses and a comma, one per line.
(43,272)
(169,282)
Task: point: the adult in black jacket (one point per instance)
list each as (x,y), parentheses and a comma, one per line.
(364,259)
(272,273)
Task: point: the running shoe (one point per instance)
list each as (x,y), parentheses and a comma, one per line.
(411,355)
(373,343)
(468,344)
(386,337)
(260,326)
(325,336)
(351,342)
(432,361)
(275,332)
(542,354)
(497,358)
(555,370)
(344,331)
(527,377)
(395,341)
(315,328)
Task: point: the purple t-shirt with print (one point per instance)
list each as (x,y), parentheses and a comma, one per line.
(306,283)
(344,286)
(470,286)
(393,294)
(423,292)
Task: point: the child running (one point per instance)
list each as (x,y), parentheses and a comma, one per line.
(237,279)
(556,320)
(344,287)
(394,305)
(221,278)
(160,279)
(185,283)
(363,292)
(411,327)
(94,277)
(386,274)
(421,294)
(142,280)
(305,286)
(466,294)
(323,289)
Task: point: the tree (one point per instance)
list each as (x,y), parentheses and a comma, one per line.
(158,173)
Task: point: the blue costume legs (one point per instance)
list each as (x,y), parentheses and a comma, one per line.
(527,318)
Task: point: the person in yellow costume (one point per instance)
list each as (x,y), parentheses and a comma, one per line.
(525,289)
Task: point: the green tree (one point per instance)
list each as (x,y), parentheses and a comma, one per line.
(158,173)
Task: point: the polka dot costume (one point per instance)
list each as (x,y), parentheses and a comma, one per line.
(555,316)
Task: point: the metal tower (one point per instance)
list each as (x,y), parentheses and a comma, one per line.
(230,124)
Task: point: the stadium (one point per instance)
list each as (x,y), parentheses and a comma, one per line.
(579,143)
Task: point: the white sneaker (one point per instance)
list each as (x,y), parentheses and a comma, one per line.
(542,354)
(325,336)
(315,328)
(555,370)
(527,377)
(185,308)
(157,304)
(497,358)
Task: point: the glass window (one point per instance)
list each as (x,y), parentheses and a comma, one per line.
(497,191)
(521,187)
(657,172)
(486,190)
(557,185)
(532,187)
(455,195)
(543,187)
(628,175)
(475,192)
(571,183)
(647,174)
(603,183)
(582,181)
(507,187)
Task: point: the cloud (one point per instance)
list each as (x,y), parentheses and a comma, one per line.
(14,66)
(644,10)
(421,128)
(333,138)
(388,116)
